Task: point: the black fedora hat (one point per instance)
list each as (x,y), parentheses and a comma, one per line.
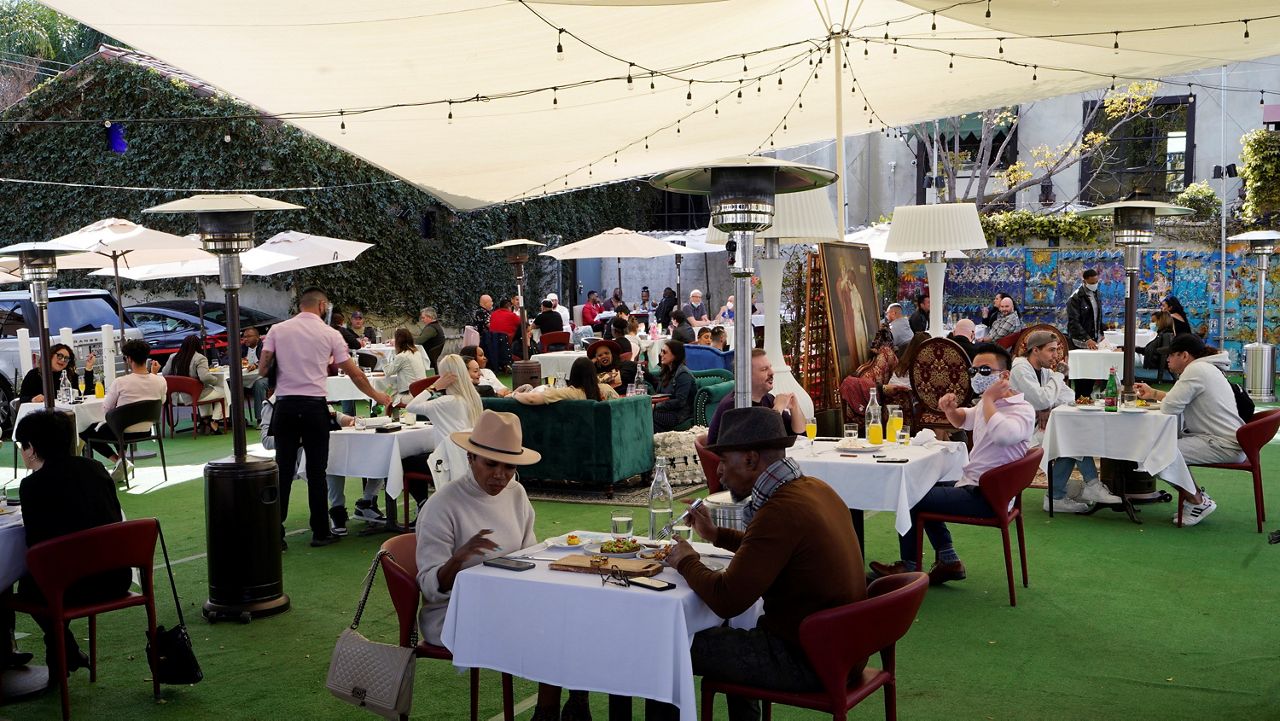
(757,427)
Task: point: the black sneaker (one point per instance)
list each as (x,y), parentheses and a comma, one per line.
(329,540)
(368,511)
(338,520)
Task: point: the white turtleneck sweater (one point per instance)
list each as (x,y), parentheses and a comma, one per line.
(449,519)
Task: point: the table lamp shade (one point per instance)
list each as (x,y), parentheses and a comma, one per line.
(927,228)
(804,217)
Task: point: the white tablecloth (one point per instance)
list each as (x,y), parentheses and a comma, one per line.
(1142,337)
(87,413)
(1094,364)
(369,454)
(1150,439)
(558,362)
(13,549)
(866,485)
(382,351)
(342,388)
(568,630)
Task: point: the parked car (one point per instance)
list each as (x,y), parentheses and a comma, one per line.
(83,311)
(166,323)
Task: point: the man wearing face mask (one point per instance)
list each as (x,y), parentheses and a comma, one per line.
(1084,321)
(1001,425)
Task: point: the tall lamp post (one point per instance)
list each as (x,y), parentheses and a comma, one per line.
(39,264)
(1260,356)
(517,252)
(742,191)
(242,492)
(934,230)
(1133,225)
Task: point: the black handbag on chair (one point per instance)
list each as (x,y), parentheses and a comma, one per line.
(174,662)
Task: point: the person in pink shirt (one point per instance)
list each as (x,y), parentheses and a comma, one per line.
(1001,424)
(300,348)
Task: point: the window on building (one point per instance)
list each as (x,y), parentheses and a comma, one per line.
(1152,153)
(679,211)
(961,137)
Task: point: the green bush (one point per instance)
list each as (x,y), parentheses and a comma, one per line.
(1260,171)
(1200,198)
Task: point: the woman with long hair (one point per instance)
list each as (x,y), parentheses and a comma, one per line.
(487,382)
(582,386)
(676,382)
(61,358)
(611,370)
(1181,323)
(190,362)
(902,371)
(409,364)
(452,405)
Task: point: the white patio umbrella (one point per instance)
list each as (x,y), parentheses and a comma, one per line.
(618,243)
(302,250)
(875,236)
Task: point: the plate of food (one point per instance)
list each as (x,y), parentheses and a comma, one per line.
(1086,403)
(1133,409)
(660,555)
(855,445)
(575,541)
(615,548)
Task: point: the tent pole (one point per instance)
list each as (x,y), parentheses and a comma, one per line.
(1222,264)
(619,278)
(115,266)
(841,190)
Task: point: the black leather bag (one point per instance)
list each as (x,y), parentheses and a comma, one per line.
(173,661)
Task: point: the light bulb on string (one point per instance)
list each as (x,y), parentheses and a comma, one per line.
(342,123)
(1035,73)
(1001,41)
(739,100)
(589,171)
(555,98)
(651,82)
(1262,97)
(688,95)
(744,64)
(1191,93)
(784,125)
(717,108)
(1113,83)
(677,127)
(779,83)
(1246,31)
(987,18)
(933,25)
(951,63)
(801,106)
(1115,46)
(615,158)
(631,85)
(895,49)
(886,30)
(646,142)
(450,118)
(560,45)
(866,50)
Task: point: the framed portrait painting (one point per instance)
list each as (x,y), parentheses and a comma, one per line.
(853,310)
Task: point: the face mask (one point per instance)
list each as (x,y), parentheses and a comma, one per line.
(1093,287)
(981,383)
(729,305)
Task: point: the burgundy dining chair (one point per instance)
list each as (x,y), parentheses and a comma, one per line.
(419,386)
(1252,436)
(837,642)
(400,570)
(192,388)
(1002,488)
(709,461)
(557,340)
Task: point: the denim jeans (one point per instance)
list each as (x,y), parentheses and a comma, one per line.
(338,492)
(1062,471)
(949,499)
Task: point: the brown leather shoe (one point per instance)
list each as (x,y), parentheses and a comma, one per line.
(940,573)
(880,570)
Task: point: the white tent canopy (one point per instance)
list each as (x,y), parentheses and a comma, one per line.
(380,79)
(876,236)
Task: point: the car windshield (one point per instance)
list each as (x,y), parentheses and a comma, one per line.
(248,316)
(83,313)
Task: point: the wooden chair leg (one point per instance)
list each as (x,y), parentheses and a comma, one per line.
(475,694)
(1022,550)
(1008,564)
(508,698)
(93,649)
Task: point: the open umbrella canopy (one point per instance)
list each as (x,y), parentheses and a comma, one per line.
(695,241)
(616,243)
(875,236)
(252,262)
(570,94)
(303,250)
(130,243)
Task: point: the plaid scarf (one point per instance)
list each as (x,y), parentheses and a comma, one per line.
(774,477)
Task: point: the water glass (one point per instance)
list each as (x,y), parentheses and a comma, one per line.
(851,430)
(621,523)
(1129,400)
(682,531)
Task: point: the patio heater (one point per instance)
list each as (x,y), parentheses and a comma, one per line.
(1133,225)
(934,230)
(242,492)
(742,191)
(517,253)
(1260,356)
(39,265)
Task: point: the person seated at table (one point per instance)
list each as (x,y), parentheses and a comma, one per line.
(504,320)
(963,335)
(625,334)
(611,370)
(899,326)
(1001,425)
(338,320)
(1033,376)
(695,310)
(62,358)
(725,314)
(190,362)
(592,308)
(645,305)
(548,321)
(454,411)
(407,366)
(919,320)
(681,330)
(254,382)
(614,300)
(1203,397)
(1008,323)
(798,553)
(704,336)
(761,395)
(676,382)
(431,337)
(581,385)
(366,334)
(1156,352)
(64,494)
(487,378)
(901,374)
(720,339)
(668,303)
(1173,306)
(143,382)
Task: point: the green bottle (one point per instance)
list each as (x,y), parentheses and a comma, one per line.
(1111,396)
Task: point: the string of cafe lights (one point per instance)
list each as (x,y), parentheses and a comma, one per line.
(164,189)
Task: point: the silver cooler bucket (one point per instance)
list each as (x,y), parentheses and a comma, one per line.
(725,512)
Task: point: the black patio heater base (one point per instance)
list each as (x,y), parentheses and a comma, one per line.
(242,522)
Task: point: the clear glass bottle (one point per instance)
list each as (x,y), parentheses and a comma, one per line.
(660,500)
(64,388)
(875,427)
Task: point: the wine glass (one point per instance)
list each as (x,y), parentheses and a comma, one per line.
(811,429)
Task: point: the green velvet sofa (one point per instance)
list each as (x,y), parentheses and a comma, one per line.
(588,442)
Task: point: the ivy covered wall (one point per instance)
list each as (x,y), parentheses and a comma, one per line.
(400,274)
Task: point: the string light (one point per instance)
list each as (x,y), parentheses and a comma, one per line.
(1113,83)
(688,96)
(1115,46)
(451,112)
(779,83)
(1001,40)
(951,64)
(744,64)
(933,25)
(987,17)
(631,85)
(739,100)
(555,98)
(342,124)
(886,30)
(866,50)
(677,127)
(560,45)
(895,49)
(1191,94)
(717,108)
(651,82)
(1246,31)
(1262,97)
(1034,73)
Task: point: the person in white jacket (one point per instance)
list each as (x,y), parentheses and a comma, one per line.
(1208,406)
(453,412)
(1033,376)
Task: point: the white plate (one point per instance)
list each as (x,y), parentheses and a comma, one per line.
(593,549)
(1094,407)
(859,449)
(562,542)
(1133,410)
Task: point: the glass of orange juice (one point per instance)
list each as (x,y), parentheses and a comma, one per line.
(895,424)
(811,429)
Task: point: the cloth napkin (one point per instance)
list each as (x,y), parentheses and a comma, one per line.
(924,437)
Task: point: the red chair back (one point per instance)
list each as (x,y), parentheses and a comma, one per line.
(1257,433)
(941,367)
(1002,484)
(417,387)
(183,384)
(560,338)
(400,569)
(59,562)
(710,463)
(840,639)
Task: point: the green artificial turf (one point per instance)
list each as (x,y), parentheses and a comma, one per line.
(1121,621)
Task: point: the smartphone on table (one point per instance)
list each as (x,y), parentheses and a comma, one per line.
(510,564)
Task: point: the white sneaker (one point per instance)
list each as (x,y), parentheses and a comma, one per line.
(1193,513)
(120,473)
(1065,505)
(1095,492)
